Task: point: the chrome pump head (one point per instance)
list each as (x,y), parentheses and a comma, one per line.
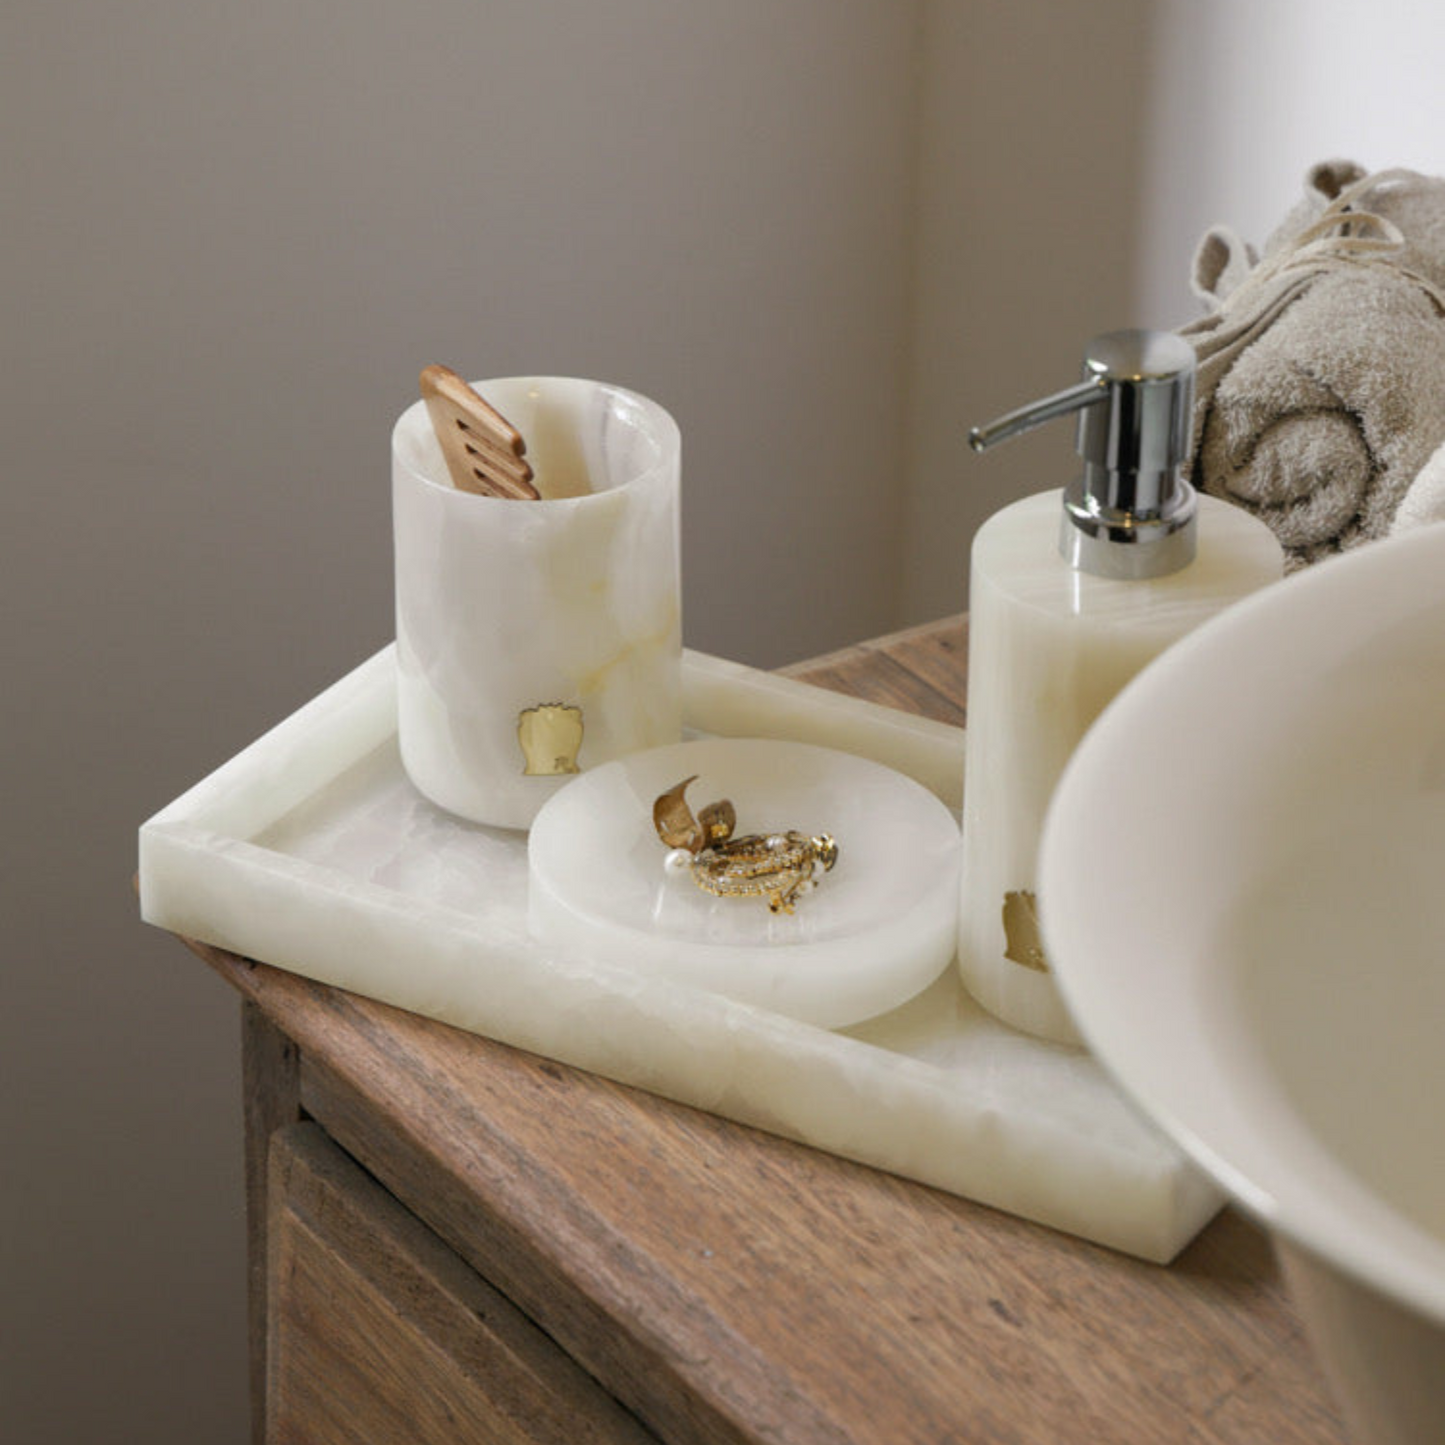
(1131,514)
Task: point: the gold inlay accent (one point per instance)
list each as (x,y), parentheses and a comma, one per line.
(551,737)
(1023,942)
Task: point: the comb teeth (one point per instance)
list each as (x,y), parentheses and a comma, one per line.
(482,449)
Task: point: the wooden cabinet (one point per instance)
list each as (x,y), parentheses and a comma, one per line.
(377,1332)
(454,1240)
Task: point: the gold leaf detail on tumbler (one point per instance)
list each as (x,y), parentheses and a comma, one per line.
(1023,943)
(551,736)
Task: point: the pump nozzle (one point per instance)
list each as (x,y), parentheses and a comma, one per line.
(1131,514)
(1036,413)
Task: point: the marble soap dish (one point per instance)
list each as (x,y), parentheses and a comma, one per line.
(880,926)
(312,851)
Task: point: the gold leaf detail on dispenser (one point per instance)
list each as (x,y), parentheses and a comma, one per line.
(1023,942)
(551,737)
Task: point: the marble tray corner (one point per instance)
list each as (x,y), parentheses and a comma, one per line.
(310,850)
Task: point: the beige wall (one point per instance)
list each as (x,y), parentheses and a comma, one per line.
(827,234)
(1025,246)
(1249,96)
(232,235)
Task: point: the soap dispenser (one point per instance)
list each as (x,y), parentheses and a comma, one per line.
(1071,593)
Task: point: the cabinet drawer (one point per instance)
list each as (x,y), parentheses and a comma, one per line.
(378,1333)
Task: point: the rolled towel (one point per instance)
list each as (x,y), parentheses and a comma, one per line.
(1321,390)
(1424,503)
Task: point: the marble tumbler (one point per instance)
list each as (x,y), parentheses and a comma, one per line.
(537,639)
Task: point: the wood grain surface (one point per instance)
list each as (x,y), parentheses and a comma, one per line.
(379,1333)
(727,1285)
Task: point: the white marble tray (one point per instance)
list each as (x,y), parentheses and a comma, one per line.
(311,850)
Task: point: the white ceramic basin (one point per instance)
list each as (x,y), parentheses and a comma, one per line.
(1242,886)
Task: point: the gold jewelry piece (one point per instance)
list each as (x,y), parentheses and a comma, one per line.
(780,867)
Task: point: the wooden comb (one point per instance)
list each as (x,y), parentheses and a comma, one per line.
(483,450)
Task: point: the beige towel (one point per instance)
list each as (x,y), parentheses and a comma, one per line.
(1321,390)
(1425,501)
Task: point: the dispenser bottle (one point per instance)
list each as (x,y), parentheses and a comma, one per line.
(1071,593)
